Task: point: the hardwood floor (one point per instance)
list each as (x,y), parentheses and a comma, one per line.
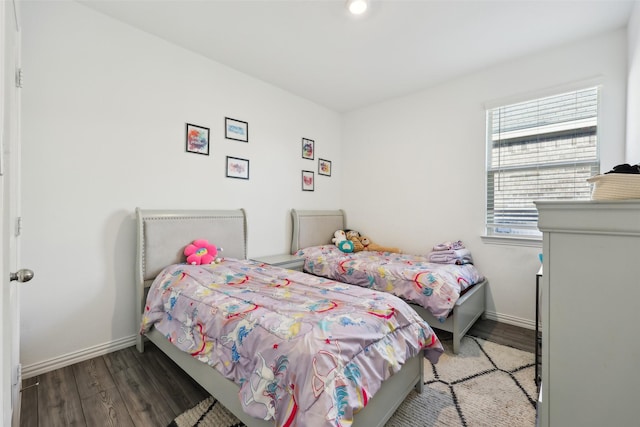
(505,334)
(124,388)
(127,388)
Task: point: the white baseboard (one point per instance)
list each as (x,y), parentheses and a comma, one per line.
(511,320)
(38,368)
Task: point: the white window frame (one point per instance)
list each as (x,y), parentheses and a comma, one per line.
(519,240)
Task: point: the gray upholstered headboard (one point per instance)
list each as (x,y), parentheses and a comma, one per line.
(163,235)
(315,227)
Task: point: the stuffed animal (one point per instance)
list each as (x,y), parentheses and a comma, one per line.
(370,246)
(340,240)
(338,237)
(346,246)
(201,252)
(354,236)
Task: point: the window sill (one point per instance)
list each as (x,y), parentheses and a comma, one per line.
(534,242)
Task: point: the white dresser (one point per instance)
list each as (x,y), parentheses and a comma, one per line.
(590,314)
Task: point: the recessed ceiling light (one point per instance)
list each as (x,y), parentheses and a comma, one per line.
(357,7)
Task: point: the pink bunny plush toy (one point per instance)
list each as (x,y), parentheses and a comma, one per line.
(201,252)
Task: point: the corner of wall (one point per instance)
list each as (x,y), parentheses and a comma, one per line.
(632,143)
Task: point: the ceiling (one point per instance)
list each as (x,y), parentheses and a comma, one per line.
(314,49)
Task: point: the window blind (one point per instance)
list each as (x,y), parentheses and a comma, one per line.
(543,149)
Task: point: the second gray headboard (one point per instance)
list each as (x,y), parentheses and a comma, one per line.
(315,227)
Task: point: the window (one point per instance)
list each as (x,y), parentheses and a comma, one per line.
(544,149)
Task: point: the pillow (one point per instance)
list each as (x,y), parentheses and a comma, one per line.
(201,252)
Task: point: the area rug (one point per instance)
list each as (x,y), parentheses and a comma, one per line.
(485,384)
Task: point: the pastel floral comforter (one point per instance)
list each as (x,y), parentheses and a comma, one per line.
(435,287)
(305,350)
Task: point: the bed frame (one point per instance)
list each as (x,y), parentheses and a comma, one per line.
(315,228)
(161,236)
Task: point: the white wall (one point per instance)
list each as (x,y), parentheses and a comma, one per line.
(104,113)
(633,88)
(415,166)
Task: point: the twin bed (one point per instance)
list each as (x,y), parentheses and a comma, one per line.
(448,297)
(274,343)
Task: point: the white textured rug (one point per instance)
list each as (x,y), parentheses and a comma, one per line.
(486,384)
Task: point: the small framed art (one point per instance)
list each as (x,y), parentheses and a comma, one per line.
(307,148)
(324,167)
(307,180)
(237,168)
(197,139)
(236,129)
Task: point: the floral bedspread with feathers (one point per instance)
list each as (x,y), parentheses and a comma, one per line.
(305,350)
(435,287)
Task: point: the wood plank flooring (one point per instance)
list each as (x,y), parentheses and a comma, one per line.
(127,388)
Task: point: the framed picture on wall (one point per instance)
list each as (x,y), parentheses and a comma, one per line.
(237,168)
(324,167)
(307,148)
(236,129)
(197,139)
(307,180)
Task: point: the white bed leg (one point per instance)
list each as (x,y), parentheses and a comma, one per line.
(457,333)
(140,343)
(456,343)
(419,387)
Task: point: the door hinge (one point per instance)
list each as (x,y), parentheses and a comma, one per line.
(19,78)
(18,226)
